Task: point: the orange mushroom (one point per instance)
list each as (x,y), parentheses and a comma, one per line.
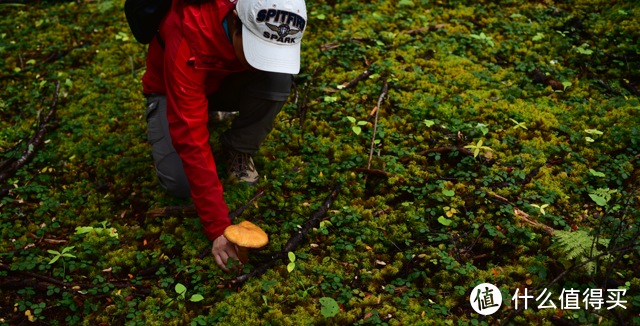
(246,235)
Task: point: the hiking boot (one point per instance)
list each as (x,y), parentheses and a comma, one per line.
(240,168)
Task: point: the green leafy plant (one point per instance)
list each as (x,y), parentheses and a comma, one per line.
(292,265)
(356,128)
(99,231)
(518,124)
(577,245)
(329,308)
(594,132)
(602,195)
(477,147)
(58,254)
(541,208)
(484,38)
(583,50)
(182,291)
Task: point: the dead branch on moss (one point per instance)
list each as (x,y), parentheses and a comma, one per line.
(380,212)
(602,84)
(294,241)
(385,89)
(356,80)
(241,209)
(476,22)
(630,87)
(73,286)
(539,77)
(377,172)
(46,123)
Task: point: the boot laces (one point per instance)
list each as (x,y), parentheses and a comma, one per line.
(241,162)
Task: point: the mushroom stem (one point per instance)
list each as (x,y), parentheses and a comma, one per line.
(243,255)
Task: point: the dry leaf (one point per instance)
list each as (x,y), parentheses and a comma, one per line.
(144,243)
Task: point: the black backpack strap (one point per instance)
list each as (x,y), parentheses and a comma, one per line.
(159,38)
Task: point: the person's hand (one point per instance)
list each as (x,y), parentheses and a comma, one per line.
(223,249)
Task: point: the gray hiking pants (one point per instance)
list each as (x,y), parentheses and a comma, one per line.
(257,96)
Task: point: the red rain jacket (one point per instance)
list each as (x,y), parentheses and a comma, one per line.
(196,59)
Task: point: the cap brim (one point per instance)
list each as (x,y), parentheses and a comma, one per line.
(266,56)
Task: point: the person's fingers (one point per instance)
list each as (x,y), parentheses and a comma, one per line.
(232,251)
(219,262)
(224,256)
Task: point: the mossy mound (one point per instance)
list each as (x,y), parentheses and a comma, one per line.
(498,116)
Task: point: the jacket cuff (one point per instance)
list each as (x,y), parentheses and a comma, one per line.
(213,231)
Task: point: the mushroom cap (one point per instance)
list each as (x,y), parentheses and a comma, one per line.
(246,234)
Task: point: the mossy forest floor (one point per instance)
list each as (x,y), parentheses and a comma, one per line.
(550,88)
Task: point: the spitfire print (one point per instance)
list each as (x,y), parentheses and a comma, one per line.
(286,20)
(282,30)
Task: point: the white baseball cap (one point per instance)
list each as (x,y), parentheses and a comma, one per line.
(271,33)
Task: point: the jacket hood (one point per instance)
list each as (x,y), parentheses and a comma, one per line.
(203,30)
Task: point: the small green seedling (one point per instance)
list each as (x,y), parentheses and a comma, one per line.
(477,147)
(182,291)
(306,289)
(538,37)
(60,254)
(57,256)
(356,128)
(596,173)
(99,231)
(518,124)
(292,264)
(484,38)
(541,208)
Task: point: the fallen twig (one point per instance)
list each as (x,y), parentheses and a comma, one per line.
(295,240)
(52,280)
(378,172)
(385,89)
(629,87)
(604,85)
(35,142)
(356,80)
(541,78)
